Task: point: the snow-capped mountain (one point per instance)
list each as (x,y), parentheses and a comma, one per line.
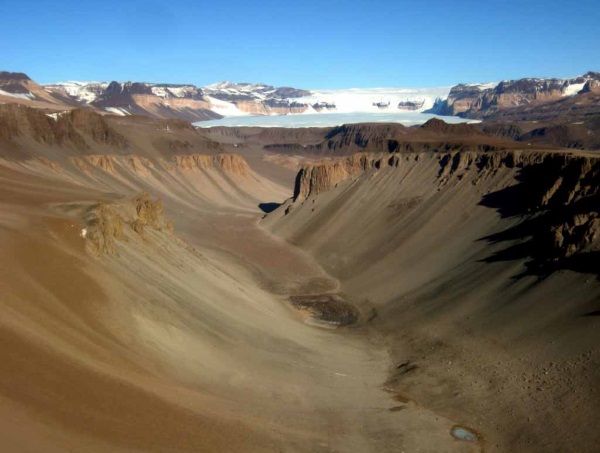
(473,100)
(128,98)
(192,103)
(234,99)
(84,92)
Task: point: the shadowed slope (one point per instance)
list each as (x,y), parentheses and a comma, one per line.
(438,249)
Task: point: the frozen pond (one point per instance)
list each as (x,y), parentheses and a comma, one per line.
(462,433)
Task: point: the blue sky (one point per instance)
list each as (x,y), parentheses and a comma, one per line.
(307,44)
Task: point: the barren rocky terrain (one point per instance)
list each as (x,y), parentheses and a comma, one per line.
(369,288)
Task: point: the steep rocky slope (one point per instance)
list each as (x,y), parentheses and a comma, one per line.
(480,271)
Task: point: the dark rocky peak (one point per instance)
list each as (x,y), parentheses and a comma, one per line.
(528,85)
(439,126)
(464,90)
(288,92)
(14,76)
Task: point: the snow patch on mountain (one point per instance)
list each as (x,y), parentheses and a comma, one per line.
(482,86)
(26,96)
(117,111)
(573,89)
(165,92)
(225,108)
(85,92)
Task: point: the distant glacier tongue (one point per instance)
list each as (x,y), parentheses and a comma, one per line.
(328,119)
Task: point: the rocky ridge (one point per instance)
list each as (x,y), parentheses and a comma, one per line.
(558,193)
(482,101)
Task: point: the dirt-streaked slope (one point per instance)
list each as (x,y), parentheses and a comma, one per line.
(478,268)
(152,301)
(133,324)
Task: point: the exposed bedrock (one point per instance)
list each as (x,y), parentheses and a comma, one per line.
(106,223)
(558,194)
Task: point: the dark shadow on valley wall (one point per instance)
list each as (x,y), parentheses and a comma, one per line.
(268,207)
(558,201)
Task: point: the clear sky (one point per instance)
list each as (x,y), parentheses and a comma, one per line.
(305,44)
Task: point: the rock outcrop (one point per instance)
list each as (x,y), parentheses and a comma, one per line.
(106,223)
(410,105)
(323,105)
(320,177)
(232,164)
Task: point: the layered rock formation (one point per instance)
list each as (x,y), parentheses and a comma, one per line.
(186,102)
(233,164)
(320,177)
(519,99)
(483,101)
(560,192)
(157,100)
(270,106)
(70,128)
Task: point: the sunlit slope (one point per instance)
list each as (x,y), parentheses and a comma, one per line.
(144,310)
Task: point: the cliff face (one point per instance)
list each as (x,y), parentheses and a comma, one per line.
(313,179)
(476,101)
(270,107)
(434,135)
(232,164)
(558,194)
(156,100)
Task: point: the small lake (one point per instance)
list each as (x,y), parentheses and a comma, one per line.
(329,119)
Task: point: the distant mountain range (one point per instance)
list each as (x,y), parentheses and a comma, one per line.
(512,99)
